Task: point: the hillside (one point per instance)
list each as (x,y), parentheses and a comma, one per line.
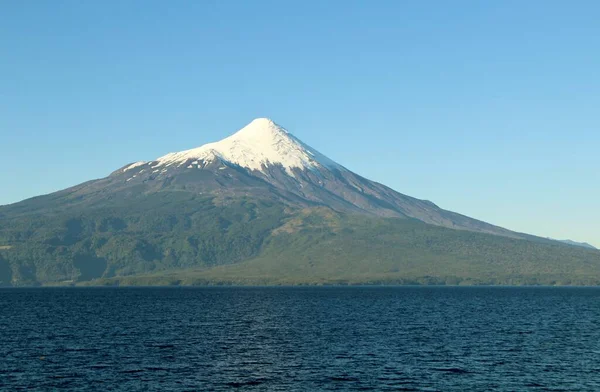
(188,240)
(262,207)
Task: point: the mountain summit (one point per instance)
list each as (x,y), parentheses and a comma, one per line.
(262,207)
(265,158)
(260,144)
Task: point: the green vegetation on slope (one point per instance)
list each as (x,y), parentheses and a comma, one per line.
(322,247)
(168,230)
(178,238)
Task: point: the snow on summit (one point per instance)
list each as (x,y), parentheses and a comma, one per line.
(262,142)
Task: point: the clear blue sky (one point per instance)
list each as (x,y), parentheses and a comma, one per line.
(488,108)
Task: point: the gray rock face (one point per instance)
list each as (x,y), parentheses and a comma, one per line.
(337,188)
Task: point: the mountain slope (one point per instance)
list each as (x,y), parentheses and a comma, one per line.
(261,159)
(227,206)
(575,243)
(319,246)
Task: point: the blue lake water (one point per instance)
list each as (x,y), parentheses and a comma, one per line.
(301,339)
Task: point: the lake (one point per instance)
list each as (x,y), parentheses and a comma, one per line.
(301,339)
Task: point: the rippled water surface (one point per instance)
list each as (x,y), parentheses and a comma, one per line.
(286,339)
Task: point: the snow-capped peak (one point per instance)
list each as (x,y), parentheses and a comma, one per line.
(260,143)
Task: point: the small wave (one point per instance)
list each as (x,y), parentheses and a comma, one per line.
(343,378)
(130,371)
(156,368)
(78,350)
(99,366)
(240,384)
(452,370)
(163,346)
(533,384)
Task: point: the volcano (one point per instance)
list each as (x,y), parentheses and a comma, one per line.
(235,204)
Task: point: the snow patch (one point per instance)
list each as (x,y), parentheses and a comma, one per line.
(134,165)
(260,144)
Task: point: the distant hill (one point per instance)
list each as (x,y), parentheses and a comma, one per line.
(262,207)
(583,244)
